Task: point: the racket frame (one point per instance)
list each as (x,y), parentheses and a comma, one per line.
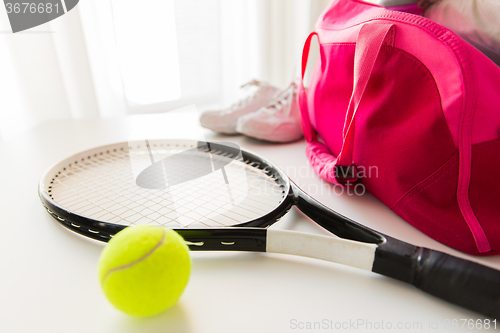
(455,280)
(247,236)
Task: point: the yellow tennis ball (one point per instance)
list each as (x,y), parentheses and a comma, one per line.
(144,269)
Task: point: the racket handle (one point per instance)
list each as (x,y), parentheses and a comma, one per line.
(458,281)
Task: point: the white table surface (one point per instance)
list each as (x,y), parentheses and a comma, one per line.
(49,278)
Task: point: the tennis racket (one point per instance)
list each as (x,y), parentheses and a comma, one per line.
(221,198)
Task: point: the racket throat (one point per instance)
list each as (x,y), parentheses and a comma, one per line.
(334,222)
(227,239)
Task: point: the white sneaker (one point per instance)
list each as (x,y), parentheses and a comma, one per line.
(224,121)
(279,121)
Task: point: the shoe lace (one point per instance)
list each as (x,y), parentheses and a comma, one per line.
(245,101)
(282,101)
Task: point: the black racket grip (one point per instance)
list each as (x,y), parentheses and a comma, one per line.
(458,281)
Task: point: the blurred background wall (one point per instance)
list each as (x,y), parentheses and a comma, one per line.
(108,58)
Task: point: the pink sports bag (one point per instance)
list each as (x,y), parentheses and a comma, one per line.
(409,110)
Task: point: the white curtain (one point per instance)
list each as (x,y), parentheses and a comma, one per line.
(269,40)
(45,74)
(82,64)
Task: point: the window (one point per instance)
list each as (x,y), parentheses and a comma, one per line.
(153,56)
(146,43)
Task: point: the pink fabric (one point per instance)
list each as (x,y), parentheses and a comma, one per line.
(306,125)
(417,42)
(411,8)
(414,117)
(369,43)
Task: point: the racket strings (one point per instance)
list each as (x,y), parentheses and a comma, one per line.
(102,187)
(85,192)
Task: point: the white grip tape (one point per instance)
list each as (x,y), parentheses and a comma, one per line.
(342,251)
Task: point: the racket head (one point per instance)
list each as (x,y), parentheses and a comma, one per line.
(98,192)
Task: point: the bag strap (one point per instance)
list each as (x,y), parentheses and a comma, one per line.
(342,170)
(370,39)
(309,133)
